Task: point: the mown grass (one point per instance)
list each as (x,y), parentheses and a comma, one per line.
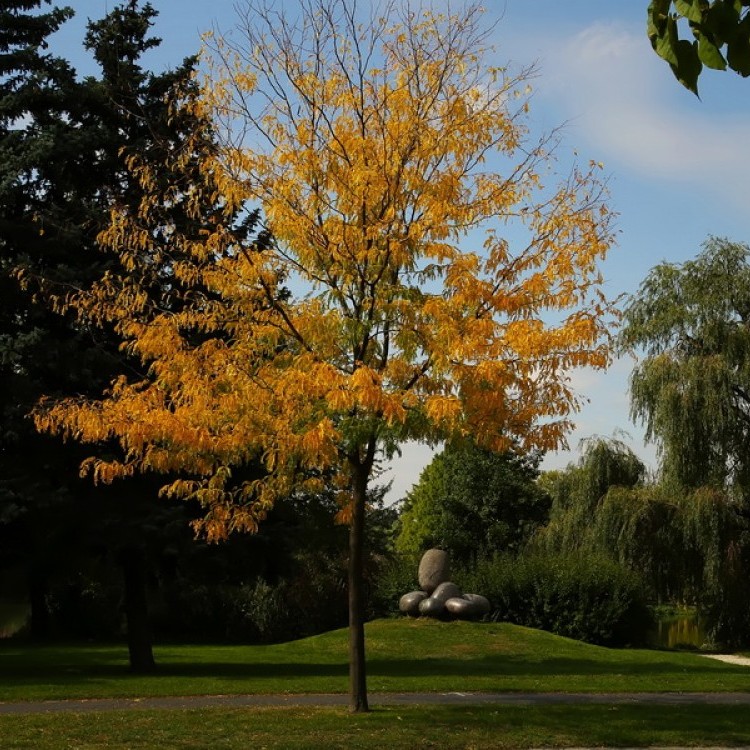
(394,728)
(403,655)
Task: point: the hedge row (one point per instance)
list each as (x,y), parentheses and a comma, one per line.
(587,597)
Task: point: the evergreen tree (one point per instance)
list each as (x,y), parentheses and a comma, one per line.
(35,95)
(65,166)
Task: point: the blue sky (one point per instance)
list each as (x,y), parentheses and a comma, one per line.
(678,167)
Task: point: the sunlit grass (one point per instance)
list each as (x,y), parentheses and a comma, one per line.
(403,655)
(393,728)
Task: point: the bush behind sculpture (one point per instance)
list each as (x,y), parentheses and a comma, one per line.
(395,576)
(587,597)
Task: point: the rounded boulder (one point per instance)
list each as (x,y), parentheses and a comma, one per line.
(462,609)
(431,607)
(434,569)
(482,603)
(445,591)
(409,603)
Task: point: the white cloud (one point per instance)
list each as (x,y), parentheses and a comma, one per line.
(622,98)
(606,413)
(404,470)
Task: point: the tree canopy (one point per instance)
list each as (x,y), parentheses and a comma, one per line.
(474,503)
(721,36)
(62,167)
(387,156)
(691,388)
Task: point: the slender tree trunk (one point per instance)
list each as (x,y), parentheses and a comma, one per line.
(357,673)
(140,649)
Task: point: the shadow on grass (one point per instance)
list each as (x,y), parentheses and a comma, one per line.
(398,728)
(112,663)
(509,666)
(611,726)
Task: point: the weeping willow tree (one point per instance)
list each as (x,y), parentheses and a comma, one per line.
(691,388)
(685,545)
(579,491)
(598,505)
(688,545)
(623,514)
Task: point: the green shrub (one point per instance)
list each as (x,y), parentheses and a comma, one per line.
(260,612)
(395,576)
(86,606)
(587,597)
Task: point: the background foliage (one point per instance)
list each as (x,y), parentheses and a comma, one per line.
(474,503)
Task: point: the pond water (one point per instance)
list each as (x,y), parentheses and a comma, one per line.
(685,631)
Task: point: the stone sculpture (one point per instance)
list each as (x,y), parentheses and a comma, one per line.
(434,569)
(439,597)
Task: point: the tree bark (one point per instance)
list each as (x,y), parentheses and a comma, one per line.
(357,672)
(140,648)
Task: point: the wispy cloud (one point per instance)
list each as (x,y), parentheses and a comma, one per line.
(607,414)
(622,99)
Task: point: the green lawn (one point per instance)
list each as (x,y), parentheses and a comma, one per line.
(403,655)
(402,728)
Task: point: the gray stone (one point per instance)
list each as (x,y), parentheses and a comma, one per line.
(434,569)
(481,602)
(462,609)
(431,607)
(445,591)
(409,603)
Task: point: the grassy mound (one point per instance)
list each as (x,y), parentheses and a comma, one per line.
(403,655)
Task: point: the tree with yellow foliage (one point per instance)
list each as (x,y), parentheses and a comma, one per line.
(384,304)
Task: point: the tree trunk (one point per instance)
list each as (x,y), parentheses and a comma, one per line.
(140,649)
(357,673)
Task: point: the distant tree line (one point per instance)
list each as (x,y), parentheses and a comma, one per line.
(683,530)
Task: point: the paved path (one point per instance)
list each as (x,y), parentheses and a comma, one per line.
(730,659)
(376,699)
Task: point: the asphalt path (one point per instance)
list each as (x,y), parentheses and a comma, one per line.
(375,699)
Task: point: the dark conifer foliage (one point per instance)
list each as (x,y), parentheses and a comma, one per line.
(63,149)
